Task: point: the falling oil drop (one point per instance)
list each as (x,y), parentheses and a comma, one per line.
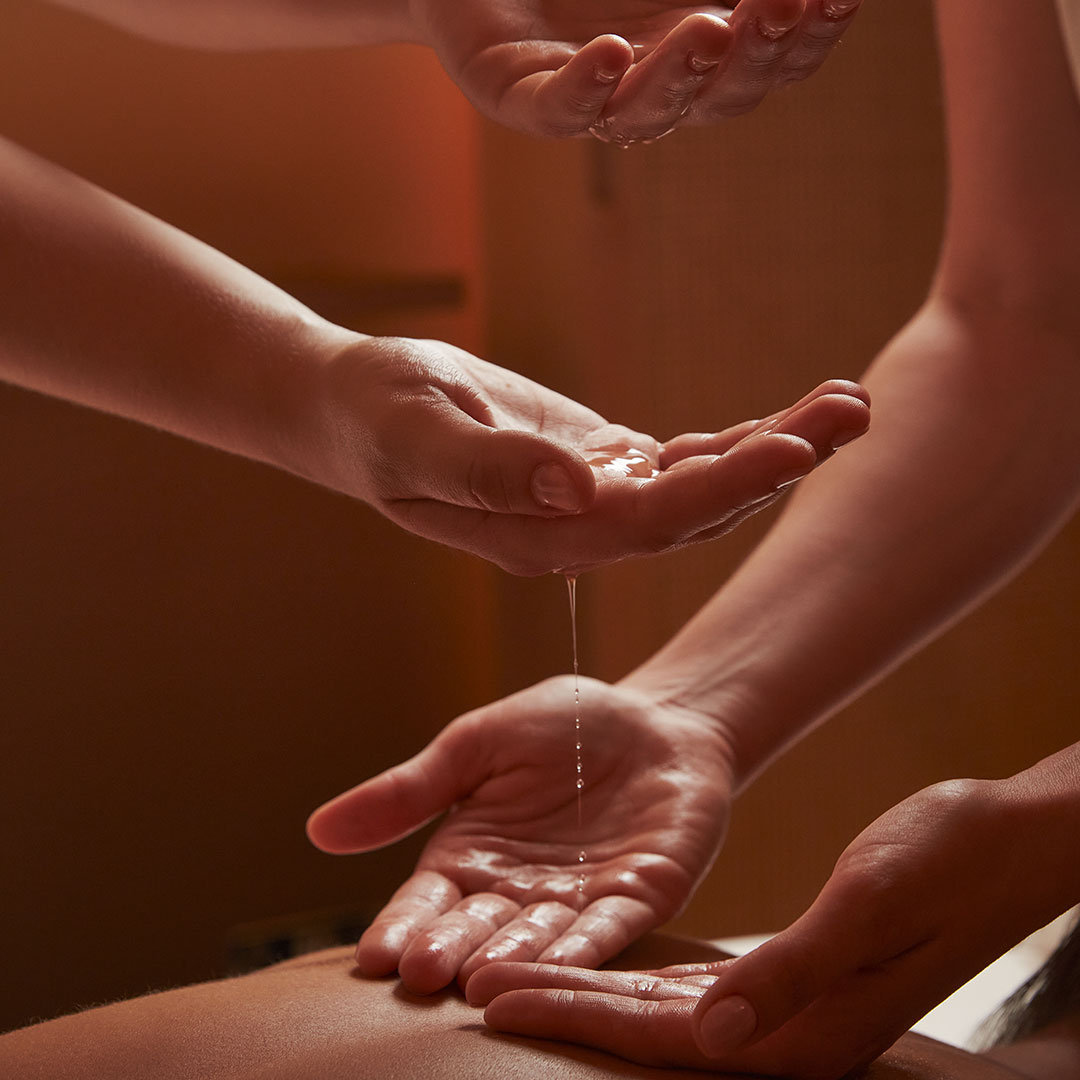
(579,783)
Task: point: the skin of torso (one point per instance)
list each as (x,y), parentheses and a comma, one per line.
(315,1018)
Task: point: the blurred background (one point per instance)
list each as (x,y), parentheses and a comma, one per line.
(196,650)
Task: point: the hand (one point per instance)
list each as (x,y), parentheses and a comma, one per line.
(479,458)
(501,878)
(565,67)
(920,902)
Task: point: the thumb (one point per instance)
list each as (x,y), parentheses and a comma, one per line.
(395,803)
(763,990)
(460,461)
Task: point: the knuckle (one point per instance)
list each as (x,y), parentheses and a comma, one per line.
(578,109)
(646,986)
(488,487)
(577,112)
(763,55)
(730,105)
(958,795)
(795,983)
(675,95)
(799,68)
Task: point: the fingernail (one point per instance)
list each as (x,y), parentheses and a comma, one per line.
(726,1026)
(842,438)
(701,65)
(773,31)
(553,489)
(840,9)
(787,479)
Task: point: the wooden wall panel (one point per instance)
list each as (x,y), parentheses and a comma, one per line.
(195,650)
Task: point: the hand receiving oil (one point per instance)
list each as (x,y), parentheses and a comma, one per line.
(502,878)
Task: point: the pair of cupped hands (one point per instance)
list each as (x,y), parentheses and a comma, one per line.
(918,903)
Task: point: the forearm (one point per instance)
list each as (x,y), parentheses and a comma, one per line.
(972,462)
(962,479)
(257,24)
(106,306)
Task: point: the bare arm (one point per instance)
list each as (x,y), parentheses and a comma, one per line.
(106,306)
(973,461)
(255,24)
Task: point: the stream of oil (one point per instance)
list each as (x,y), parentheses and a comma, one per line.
(616,460)
(579,778)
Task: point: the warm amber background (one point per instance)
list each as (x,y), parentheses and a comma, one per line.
(195,650)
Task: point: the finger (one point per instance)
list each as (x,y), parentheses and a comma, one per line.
(706,443)
(826,422)
(841,387)
(819,33)
(765,32)
(649,1032)
(523,938)
(658,90)
(486,985)
(730,524)
(707,970)
(399,801)
(629,517)
(569,101)
(550,88)
(825,430)
(449,456)
(760,992)
(846,408)
(852,1022)
(704,493)
(601,931)
(434,955)
(422,899)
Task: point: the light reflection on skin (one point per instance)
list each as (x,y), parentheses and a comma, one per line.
(618,459)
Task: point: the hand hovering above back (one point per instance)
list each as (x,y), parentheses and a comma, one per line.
(502,878)
(482,459)
(628,70)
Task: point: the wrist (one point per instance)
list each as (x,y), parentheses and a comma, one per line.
(665,694)
(324,429)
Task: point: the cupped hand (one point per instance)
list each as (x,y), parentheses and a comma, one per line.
(628,70)
(920,902)
(512,873)
(482,459)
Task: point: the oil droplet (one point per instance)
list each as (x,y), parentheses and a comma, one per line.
(571,585)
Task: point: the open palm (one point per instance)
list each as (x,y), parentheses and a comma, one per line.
(503,877)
